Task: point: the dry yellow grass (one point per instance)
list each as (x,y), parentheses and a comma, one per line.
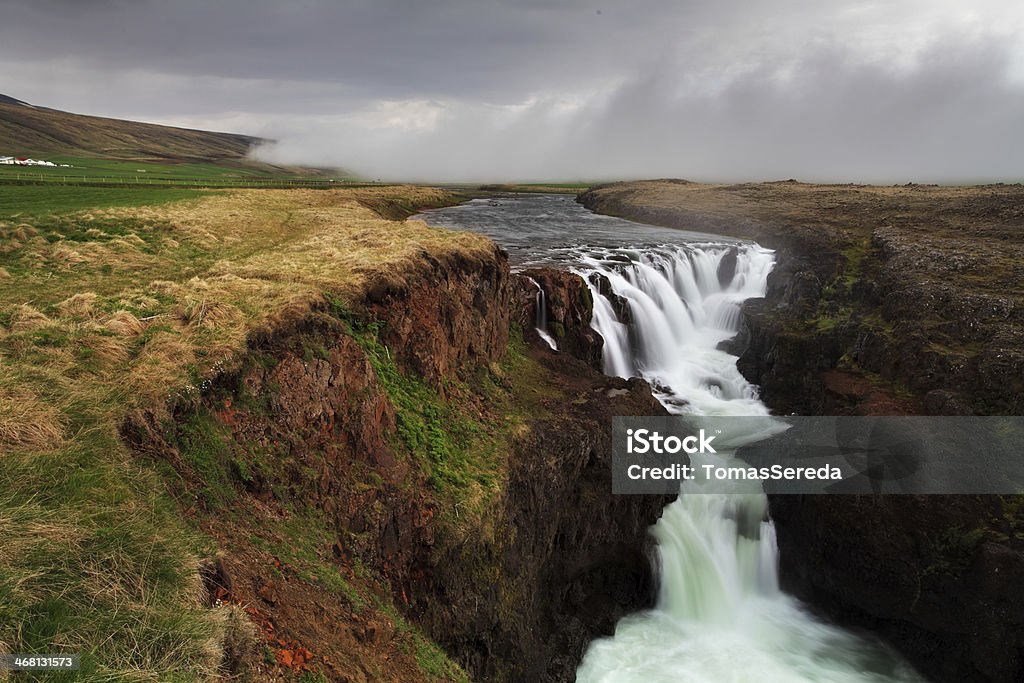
(114,310)
(107,353)
(249,257)
(288,249)
(25,318)
(156,308)
(28,422)
(124,324)
(81,306)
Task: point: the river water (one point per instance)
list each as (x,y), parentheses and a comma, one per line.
(674,297)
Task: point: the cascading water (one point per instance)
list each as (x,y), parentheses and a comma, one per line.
(679,311)
(720,615)
(541,325)
(663,307)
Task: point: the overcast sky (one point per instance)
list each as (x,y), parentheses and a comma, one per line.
(886,91)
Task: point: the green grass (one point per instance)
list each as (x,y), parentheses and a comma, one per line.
(303,541)
(463,452)
(430,658)
(73,525)
(84,170)
(460,453)
(35,200)
(113,167)
(206,447)
(96,554)
(95,167)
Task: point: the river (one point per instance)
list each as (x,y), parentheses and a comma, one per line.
(674,297)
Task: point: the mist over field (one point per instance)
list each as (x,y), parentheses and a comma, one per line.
(463,90)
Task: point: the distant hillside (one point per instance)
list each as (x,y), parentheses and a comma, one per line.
(4,99)
(29,130)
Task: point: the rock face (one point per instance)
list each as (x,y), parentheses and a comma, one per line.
(568,310)
(448,316)
(914,570)
(554,561)
(883,301)
(575,560)
(727,267)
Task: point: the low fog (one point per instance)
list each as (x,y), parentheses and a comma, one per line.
(464,90)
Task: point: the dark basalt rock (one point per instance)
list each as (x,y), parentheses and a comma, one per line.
(570,308)
(727,267)
(877,310)
(944,402)
(574,559)
(909,569)
(619,304)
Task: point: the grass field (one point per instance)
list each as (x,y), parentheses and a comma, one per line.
(96,170)
(106,307)
(34,200)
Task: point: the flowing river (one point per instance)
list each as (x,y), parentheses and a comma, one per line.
(720,616)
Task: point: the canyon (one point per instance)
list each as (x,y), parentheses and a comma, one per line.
(884,301)
(400,478)
(512,563)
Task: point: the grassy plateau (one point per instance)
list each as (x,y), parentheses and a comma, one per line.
(115,299)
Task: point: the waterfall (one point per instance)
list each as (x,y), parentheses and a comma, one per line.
(663,312)
(541,319)
(663,307)
(680,303)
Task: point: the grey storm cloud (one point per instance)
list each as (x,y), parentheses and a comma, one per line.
(564,89)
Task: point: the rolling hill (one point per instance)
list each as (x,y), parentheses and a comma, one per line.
(29,130)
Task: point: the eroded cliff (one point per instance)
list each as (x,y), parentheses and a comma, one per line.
(405,461)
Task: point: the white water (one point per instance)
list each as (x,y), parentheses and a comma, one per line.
(720,615)
(680,313)
(541,325)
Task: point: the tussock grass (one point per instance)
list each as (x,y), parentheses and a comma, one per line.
(28,422)
(122,309)
(25,318)
(81,306)
(210,314)
(124,324)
